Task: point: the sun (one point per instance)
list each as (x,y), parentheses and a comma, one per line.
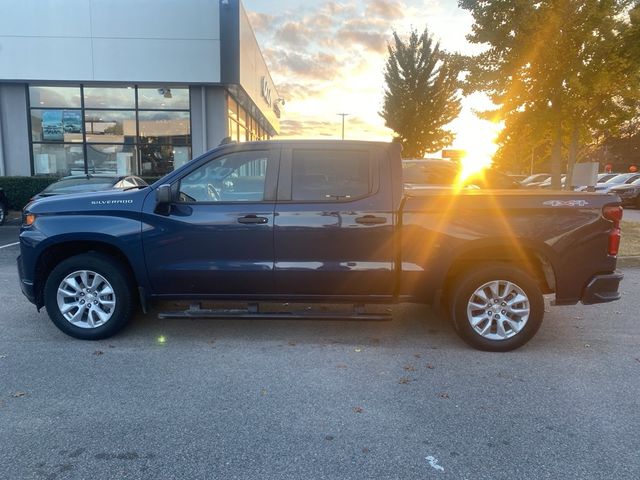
(478,142)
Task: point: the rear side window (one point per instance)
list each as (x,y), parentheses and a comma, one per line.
(330,175)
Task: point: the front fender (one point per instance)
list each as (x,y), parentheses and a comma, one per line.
(122,233)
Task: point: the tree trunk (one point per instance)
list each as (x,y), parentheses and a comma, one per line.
(573,155)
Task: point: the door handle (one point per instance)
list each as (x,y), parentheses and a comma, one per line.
(371,220)
(252,219)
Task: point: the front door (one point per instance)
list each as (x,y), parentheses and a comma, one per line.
(218,236)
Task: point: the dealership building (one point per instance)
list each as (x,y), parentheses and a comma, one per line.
(127,86)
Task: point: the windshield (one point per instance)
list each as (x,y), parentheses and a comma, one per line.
(618,179)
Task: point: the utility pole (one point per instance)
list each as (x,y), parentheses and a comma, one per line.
(343,115)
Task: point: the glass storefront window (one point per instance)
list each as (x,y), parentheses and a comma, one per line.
(110,126)
(109,130)
(165,127)
(111,159)
(163,98)
(117,97)
(233,109)
(157,160)
(56,125)
(60,160)
(56,97)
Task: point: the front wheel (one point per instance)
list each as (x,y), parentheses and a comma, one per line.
(497,308)
(89,296)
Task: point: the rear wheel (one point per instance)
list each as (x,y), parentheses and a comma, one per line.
(89,296)
(496,307)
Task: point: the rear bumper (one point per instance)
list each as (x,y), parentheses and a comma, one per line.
(25,285)
(602,288)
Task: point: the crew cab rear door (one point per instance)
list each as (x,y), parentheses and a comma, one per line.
(217,238)
(333,222)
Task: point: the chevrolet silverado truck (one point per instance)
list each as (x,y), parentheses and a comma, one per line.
(317,221)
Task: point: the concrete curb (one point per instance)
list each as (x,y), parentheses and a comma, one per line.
(629,262)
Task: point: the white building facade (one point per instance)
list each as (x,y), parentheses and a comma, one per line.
(127,86)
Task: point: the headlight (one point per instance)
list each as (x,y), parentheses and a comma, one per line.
(28,219)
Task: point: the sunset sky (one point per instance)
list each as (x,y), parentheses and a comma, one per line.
(327,57)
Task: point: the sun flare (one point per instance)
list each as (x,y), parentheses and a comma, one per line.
(478,142)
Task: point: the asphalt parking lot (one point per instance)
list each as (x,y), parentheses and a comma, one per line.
(265,399)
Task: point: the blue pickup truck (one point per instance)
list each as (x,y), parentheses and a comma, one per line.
(318,221)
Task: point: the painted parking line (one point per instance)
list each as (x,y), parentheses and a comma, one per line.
(9,245)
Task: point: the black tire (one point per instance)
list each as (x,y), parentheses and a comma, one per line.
(463,294)
(119,280)
(3,213)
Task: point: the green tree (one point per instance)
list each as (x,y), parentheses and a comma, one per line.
(569,67)
(421,94)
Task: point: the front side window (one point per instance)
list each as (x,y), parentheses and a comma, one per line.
(237,177)
(330,175)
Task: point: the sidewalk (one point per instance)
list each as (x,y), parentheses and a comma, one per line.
(631,215)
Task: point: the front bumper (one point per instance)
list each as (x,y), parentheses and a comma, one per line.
(602,288)
(25,285)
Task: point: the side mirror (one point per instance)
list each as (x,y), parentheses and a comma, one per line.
(163,199)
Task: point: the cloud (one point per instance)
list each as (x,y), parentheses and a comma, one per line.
(339,9)
(387,9)
(261,22)
(327,56)
(295,34)
(292,91)
(311,127)
(307,127)
(374,41)
(313,66)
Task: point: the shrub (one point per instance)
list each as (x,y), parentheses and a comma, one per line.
(19,190)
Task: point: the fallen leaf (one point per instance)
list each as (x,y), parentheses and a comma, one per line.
(429,366)
(365,450)
(404,380)
(19,394)
(98,352)
(443,395)
(341,365)
(358,409)
(263,392)
(409,368)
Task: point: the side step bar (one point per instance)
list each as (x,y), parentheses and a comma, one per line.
(253,311)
